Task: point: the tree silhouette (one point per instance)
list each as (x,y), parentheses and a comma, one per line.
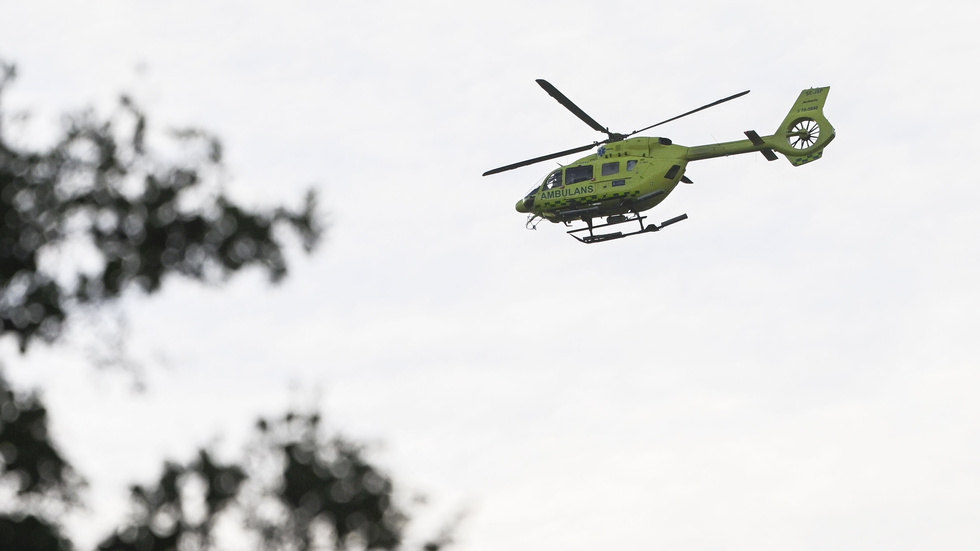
(139,209)
(322,485)
(138,214)
(32,468)
(296,489)
(29,533)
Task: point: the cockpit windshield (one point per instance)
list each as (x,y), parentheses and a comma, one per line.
(553,180)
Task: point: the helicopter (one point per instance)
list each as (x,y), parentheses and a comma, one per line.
(628,175)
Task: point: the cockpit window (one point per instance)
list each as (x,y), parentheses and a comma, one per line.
(608,169)
(553,180)
(630,166)
(578,174)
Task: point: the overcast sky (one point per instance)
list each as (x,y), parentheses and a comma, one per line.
(794,367)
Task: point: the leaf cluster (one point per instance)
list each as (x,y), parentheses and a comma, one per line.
(100,212)
(35,471)
(294,490)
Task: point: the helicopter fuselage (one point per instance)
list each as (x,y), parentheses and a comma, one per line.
(632,175)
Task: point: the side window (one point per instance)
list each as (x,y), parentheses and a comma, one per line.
(553,180)
(630,166)
(608,169)
(578,174)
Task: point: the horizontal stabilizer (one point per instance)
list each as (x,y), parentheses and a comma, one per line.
(756,139)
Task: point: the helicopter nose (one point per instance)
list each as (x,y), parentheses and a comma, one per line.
(520,206)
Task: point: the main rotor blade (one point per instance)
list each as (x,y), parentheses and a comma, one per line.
(543,158)
(553,92)
(738,95)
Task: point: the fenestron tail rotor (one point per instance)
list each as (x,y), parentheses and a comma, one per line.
(804,133)
(582,115)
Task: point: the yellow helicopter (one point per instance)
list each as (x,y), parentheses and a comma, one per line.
(628,175)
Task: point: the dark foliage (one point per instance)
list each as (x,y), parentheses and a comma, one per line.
(138,214)
(160,521)
(296,488)
(29,533)
(28,458)
(33,466)
(324,483)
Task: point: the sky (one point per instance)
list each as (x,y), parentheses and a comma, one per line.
(793,367)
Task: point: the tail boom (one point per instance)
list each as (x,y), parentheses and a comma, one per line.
(801,136)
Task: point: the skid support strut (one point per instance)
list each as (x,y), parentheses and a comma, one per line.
(619,219)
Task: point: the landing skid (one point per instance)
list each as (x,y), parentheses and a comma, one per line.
(620,219)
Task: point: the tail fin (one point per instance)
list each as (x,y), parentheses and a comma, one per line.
(805,131)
